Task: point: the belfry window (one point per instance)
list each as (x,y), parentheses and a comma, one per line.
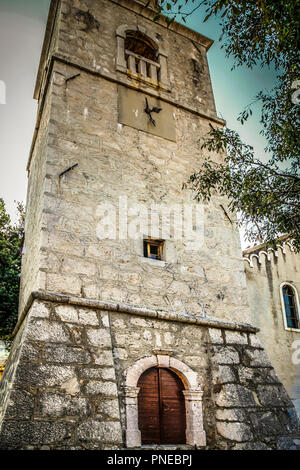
(140,57)
(290,306)
(140,45)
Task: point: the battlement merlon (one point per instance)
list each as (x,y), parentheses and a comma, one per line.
(258,251)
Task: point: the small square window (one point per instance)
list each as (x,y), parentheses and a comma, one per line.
(153,249)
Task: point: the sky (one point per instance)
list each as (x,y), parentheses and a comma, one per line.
(22,27)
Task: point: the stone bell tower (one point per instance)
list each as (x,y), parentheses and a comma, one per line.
(134,324)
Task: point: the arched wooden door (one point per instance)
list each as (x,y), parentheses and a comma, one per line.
(161,407)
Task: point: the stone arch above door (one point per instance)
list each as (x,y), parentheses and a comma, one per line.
(195,434)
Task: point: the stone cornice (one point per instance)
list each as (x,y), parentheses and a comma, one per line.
(126,308)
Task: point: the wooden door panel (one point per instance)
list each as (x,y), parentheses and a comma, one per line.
(172,409)
(161,407)
(148,406)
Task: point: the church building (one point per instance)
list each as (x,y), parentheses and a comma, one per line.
(134,325)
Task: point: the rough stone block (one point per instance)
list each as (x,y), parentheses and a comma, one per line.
(20,405)
(63,284)
(226,355)
(290,420)
(105,320)
(100,337)
(54,405)
(120,353)
(234,414)
(66,355)
(224,374)
(88,317)
(107,408)
(216,336)
(256,357)
(249,375)
(233,395)
(258,445)
(47,331)
(235,337)
(100,431)
(255,341)
(235,431)
(38,375)
(272,395)
(79,266)
(16,434)
(67,313)
(103,388)
(71,386)
(103,358)
(265,423)
(29,353)
(39,310)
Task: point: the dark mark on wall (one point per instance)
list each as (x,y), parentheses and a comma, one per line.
(226,214)
(67,170)
(88,19)
(72,77)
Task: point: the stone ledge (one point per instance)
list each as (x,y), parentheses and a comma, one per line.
(126,308)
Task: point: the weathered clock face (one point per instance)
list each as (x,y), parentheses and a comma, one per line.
(146,113)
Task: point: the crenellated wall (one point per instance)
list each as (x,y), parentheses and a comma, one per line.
(266,271)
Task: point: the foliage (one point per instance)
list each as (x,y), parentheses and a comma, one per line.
(253,31)
(265,197)
(11,238)
(265,193)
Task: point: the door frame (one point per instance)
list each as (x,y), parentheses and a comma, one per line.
(195,434)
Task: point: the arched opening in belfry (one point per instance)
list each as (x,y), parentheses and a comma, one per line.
(141,54)
(140,44)
(161,407)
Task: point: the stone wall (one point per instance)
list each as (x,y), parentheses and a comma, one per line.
(68,371)
(244,404)
(264,277)
(32,276)
(64,388)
